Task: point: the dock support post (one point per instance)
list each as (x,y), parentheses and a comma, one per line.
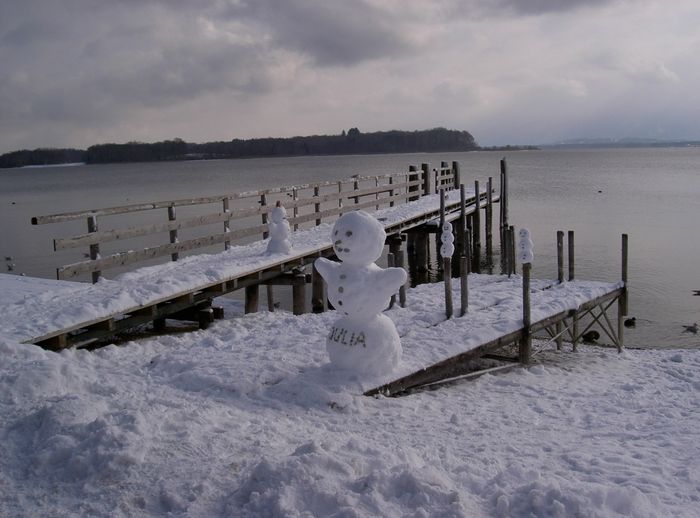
(299,293)
(622,300)
(318,304)
(489,222)
(476,231)
(396,251)
(390,264)
(251,298)
(525,349)
(572,256)
(94,249)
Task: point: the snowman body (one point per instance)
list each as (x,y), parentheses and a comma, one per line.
(278,229)
(363,339)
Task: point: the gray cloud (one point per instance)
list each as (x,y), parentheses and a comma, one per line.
(332,33)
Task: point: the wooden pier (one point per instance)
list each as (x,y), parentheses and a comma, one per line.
(404,203)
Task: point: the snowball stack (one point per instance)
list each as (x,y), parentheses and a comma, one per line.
(525,246)
(278,228)
(447,239)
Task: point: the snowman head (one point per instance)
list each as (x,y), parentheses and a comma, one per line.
(358,238)
(278,213)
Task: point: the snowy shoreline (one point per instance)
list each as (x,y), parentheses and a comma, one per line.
(247,419)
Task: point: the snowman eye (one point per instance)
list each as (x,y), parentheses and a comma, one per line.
(335,233)
(348,233)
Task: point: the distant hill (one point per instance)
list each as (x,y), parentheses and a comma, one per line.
(347,143)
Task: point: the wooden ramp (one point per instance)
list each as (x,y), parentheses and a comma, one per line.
(493,330)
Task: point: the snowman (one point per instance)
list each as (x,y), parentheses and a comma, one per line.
(278,227)
(363,339)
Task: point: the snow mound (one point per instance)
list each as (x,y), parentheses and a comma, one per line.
(348,480)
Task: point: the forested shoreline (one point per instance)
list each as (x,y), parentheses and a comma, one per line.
(346,143)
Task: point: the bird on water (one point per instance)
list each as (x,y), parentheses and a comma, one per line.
(691,329)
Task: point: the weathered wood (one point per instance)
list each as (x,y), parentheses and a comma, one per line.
(295,208)
(252,294)
(94,248)
(464,285)
(428,180)
(318,298)
(227,224)
(173,233)
(317,204)
(400,263)
(299,293)
(414,189)
(130,257)
(390,262)
(456,175)
(489,220)
(572,255)
(622,309)
(525,347)
(560,256)
(476,230)
(511,231)
(447,280)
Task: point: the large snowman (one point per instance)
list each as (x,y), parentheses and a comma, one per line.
(363,339)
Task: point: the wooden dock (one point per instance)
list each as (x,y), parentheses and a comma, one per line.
(185,287)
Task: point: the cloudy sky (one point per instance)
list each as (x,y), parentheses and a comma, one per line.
(79,72)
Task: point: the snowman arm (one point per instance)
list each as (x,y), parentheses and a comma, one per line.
(325,267)
(395,277)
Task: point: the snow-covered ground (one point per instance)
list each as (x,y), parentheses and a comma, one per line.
(249,419)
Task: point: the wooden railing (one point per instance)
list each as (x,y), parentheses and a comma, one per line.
(242,216)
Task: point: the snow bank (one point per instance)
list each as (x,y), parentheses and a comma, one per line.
(249,419)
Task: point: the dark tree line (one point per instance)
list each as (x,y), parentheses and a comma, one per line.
(347,143)
(41,156)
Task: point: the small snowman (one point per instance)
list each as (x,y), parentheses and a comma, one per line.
(363,339)
(278,227)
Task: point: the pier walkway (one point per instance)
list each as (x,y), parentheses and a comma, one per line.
(69,313)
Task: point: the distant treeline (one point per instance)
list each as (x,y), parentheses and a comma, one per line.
(347,143)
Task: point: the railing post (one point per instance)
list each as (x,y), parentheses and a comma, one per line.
(317,206)
(94,249)
(456,175)
(560,277)
(391,192)
(412,177)
(295,209)
(340,197)
(428,180)
(173,233)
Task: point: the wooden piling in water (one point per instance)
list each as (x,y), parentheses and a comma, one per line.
(572,256)
(476,231)
(489,222)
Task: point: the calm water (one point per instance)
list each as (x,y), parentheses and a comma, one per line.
(651,194)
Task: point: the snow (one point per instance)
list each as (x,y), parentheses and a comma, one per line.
(249,419)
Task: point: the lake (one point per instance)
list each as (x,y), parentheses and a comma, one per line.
(652,194)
